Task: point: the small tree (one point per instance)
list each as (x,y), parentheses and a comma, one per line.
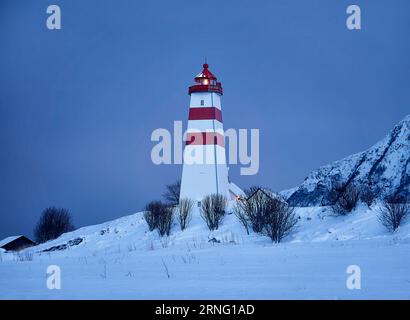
(392,213)
(213,210)
(172,192)
(346,200)
(184,212)
(52,224)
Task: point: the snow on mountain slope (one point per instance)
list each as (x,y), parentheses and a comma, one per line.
(384,168)
(122,259)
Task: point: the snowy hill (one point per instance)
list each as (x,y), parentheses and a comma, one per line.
(384,168)
(122,259)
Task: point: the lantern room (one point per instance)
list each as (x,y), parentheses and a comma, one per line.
(206,82)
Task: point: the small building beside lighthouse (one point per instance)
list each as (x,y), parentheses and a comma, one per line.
(205,168)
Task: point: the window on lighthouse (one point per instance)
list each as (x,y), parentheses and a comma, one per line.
(202,102)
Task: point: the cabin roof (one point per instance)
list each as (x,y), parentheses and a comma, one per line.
(8,240)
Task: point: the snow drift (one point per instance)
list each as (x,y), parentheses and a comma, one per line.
(121,259)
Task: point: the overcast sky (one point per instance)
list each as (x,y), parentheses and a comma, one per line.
(78,105)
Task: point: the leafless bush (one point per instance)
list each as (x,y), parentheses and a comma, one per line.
(251,211)
(165,218)
(367,196)
(159,216)
(52,224)
(184,212)
(392,214)
(151,213)
(213,210)
(266,214)
(279,221)
(242,215)
(346,200)
(172,193)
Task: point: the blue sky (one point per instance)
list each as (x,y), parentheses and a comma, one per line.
(78,105)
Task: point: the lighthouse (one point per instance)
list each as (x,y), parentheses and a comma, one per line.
(205,170)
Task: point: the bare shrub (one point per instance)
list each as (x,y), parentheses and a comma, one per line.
(251,211)
(266,213)
(185,212)
(159,216)
(171,195)
(151,212)
(164,222)
(242,215)
(392,214)
(280,220)
(346,200)
(213,210)
(367,196)
(52,224)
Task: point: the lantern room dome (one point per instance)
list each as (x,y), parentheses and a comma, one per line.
(206,82)
(205,74)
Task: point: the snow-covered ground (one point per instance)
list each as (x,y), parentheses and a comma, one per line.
(122,260)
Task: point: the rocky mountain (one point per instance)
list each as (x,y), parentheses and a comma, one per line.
(384,169)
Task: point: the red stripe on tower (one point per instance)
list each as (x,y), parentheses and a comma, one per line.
(210,113)
(205,138)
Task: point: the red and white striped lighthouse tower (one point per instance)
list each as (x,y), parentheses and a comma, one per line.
(204,170)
